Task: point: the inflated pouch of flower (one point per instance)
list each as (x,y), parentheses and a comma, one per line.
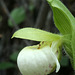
(43,58)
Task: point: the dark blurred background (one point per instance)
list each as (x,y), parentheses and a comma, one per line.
(16,14)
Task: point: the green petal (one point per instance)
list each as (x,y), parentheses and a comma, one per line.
(35,34)
(62,17)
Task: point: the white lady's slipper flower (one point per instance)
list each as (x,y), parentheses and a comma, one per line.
(39,59)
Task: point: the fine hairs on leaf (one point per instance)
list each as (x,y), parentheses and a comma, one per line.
(62,17)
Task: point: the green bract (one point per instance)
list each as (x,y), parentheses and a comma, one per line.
(36,35)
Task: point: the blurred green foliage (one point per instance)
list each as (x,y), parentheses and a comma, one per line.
(31,7)
(14,55)
(18,14)
(6,65)
(64,61)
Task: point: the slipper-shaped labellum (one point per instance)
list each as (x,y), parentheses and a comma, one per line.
(40,59)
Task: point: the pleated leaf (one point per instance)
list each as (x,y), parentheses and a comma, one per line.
(62,17)
(35,34)
(73,46)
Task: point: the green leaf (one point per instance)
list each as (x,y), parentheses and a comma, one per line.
(36,35)
(18,14)
(62,17)
(73,46)
(13,56)
(67,44)
(6,65)
(68,49)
